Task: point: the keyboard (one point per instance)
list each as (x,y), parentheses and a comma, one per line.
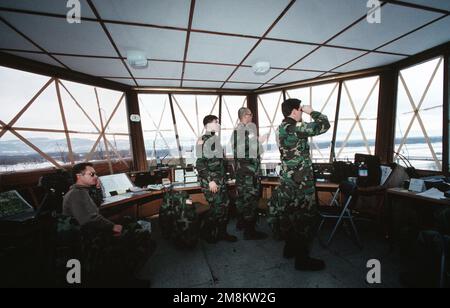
(116,198)
(155,187)
(138,193)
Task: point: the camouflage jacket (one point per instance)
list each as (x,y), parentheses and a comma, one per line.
(210,159)
(246,150)
(293,140)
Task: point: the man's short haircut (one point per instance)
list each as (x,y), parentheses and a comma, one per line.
(79,168)
(289,105)
(208,119)
(242,112)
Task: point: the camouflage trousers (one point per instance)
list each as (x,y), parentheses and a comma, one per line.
(122,255)
(178,220)
(101,254)
(248,194)
(217,217)
(293,210)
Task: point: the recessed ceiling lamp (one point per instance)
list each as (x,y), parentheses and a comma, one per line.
(261,68)
(137,58)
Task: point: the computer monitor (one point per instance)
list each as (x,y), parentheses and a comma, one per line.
(12,204)
(143,179)
(115,184)
(373,176)
(178,176)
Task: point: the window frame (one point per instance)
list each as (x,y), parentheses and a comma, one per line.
(58,84)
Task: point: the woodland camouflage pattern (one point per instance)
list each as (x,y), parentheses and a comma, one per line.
(211,167)
(292,208)
(179,220)
(101,254)
(247,151)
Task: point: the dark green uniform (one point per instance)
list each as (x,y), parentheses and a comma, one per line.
(178,219)
(211,167)
(292,207)
(246,150)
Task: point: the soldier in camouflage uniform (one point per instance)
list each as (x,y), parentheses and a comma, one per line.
(247,151)
(293,212)
(211,171)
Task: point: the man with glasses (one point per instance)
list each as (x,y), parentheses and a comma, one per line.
(79,204)
(247,150)
(126,247)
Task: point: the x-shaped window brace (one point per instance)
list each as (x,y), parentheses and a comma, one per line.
(357,120)
(416,110)
(313,142)
(58,83)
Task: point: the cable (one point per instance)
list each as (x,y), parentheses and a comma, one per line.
(404,159)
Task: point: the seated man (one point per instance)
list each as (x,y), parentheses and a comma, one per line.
(79,204)
(132,242)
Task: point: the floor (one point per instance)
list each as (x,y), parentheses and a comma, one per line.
(259,264)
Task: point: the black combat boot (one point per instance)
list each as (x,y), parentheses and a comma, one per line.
(240,224)
(303,262)
(289,247)
(209,234)
(224,236)
(251,234)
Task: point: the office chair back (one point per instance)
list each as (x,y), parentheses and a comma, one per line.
(55,185)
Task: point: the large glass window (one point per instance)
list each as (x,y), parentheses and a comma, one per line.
(157,126)
(420,115)
(49,122)
(230,107)
(357,122)
(269,118)
(189,113)
(322,98)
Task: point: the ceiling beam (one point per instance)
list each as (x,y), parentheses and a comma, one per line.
(260,40)
(102,24)
(31,41)
(151,60)
(16,62)
(188,35)
(327,41)
(205,91)
(137,24)
(390,42)
(417,6)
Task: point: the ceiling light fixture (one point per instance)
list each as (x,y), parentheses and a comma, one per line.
(261,68)
(137,58)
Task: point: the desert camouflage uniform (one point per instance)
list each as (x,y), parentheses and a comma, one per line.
(292,207)
(211,167)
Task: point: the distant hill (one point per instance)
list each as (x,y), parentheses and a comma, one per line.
(80,145)
(47,145)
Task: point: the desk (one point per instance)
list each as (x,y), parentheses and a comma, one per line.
(152,200)
(409,213)
(268,186)
(405,194)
